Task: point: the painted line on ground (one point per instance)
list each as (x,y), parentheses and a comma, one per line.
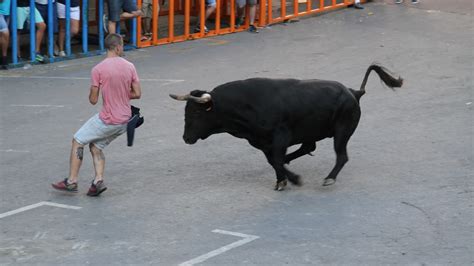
(36,205)
(36,105)
(246,239)
(87,78)
(10,150)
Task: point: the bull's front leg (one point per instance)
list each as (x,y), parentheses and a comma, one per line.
(276,157)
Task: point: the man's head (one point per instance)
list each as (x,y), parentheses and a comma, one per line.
(114,43)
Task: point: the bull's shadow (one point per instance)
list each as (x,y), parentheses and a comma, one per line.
(274,114)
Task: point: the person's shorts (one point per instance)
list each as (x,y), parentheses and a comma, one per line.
(147,8)
(23,14)
(115,8)
(97,132)
(43,9)
(210,2)
(3,23)
(74,11)
(242,3)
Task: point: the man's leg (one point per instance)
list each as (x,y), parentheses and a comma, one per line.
(40,28)
(75,161)
(252,12)
(98,159)
(209,10)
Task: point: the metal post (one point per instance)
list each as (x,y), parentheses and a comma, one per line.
(68,27)
(14,30)
(134,29)
(50,32)
(101,25)
(85,26)
(32,31)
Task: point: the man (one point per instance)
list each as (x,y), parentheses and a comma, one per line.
(4,33)
(23,14)
(210,8)
(241,12)
(118,82)
(115,13)
(75,17)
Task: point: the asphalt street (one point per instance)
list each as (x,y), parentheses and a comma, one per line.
(404,197)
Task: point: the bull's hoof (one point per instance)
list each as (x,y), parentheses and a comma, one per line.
(295,180)
(280,185)
(329,181)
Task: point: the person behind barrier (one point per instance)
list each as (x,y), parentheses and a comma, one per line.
(75,15)
(115,14)
(23,14)
(4,33)
(147,10)
(42,6)
(117,80)
(210,8)
(241,12)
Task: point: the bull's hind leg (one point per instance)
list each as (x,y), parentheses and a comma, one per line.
(306,148)
(341,138)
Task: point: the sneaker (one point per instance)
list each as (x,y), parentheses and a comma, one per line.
(39,58)
(358,6)
(4,62)
(62,54)
(96,189)
(253,29)
(105,23)
(198,29)
(65,186)
(239,22)
(415,1)
(398,1)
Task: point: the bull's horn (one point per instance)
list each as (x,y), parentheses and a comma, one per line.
(206,97)
(180,97)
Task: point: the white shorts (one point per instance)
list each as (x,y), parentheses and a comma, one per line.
(75,12)
(97,132)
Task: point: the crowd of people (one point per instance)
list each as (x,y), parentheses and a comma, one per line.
(118,10)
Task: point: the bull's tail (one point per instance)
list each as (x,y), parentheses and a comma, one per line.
(385,75)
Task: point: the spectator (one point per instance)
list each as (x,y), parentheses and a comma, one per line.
(4,33)
(115,7)
(357,5)
(210,8)
(117,80)
(75,13)
(401,1)
(241,12)
(23,14)
(147,10)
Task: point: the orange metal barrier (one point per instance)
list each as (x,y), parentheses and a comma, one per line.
(176,21)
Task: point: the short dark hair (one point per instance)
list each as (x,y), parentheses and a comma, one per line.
(113,40)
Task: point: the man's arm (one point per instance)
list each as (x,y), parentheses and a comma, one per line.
(136,91)
(94,95)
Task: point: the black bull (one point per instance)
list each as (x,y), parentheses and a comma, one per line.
(274,114)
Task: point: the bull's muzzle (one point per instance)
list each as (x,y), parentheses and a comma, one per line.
(206,97)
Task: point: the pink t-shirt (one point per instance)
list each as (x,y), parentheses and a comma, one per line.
(114,77)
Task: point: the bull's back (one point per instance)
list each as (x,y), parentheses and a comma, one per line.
(307,107)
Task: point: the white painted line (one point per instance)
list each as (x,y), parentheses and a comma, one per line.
(36,205)
(10,150)
(86,78)
(247,239)
(35,105)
